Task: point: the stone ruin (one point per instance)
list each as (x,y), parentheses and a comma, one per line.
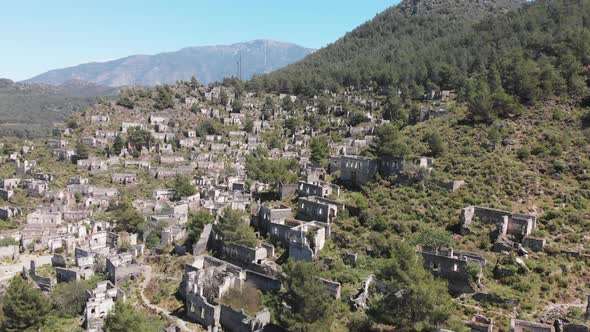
(513,230)
(451,265)
(205,281)
(100,301)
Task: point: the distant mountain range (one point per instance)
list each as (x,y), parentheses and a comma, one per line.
(207,63)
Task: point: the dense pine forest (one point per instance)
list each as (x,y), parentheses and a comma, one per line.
(536,50)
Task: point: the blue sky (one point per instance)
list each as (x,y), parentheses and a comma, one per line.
(39,35)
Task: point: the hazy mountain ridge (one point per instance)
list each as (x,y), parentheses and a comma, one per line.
(207,63)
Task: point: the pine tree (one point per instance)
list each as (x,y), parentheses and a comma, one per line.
(435,144)
(183,187)
(118,145)
(388,144)
(125,318)
(24,307)
(412,299)
(320,150)
(81,151)
(309,301)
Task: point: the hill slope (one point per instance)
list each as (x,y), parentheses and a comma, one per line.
(29,110)
(428,44)
(207,63)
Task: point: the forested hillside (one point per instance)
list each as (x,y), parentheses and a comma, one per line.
(529,50)
(29,110)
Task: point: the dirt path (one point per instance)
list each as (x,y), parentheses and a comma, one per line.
(147,273)
(9,270)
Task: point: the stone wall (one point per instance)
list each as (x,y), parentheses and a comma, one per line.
(263,282)
(45,283)
(202,243)
(312,189)
(332,287)
(534,244)
(200,311)
(517,325)
(451,265)
(267,215)
(66,275)
(238,321)
(242,254)
(286,190)
(300,252)
(515,225)
(58,260)
(358,170)
(310,209)
(11,251)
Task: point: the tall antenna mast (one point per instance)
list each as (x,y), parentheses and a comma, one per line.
(240,65)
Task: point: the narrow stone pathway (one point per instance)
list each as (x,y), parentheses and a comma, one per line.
(147,273)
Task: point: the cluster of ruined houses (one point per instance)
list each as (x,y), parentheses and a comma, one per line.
(79,255)
(82,246)
(302,232)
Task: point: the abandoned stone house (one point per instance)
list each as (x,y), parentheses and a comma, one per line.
(268,214)
(360,170)
(172,234)
(513,225)
(166,173)
(76,215)
(451,265)
(44,283)
(6,194)
(109,135)
(101,239)
(319,189)
(25,167)
(357,170)
(35,188)
(164,148)
(100,118)
(244,256)
(44,216)
(204,282)
(43,176)
(139,164)
(158,120)
(10,184)
(218,147)
(317,209)
(77,180)
(93,165)
(125,126)
(123,178)
(64,155)
(517,325)
(306,240)
(480,323)
(163,194)
(7,213)
(92,141)
(168,219)
(122,266)
(187,143)
(57,143)
(105,193)
(100,302)
(11,251)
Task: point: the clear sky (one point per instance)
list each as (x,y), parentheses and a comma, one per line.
(39,35)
